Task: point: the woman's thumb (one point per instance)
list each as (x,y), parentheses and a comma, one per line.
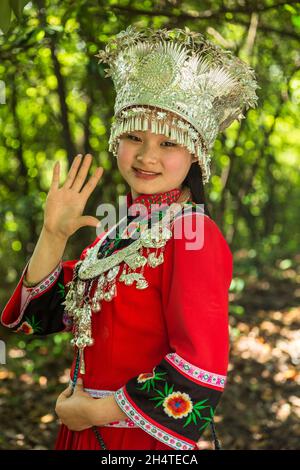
(88,220)
(67,392)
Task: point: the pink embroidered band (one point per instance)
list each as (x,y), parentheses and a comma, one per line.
(199,375)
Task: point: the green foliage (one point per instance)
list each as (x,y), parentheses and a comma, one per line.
(8,9)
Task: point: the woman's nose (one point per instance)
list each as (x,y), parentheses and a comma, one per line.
(147,157)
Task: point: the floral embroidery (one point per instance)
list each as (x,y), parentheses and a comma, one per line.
(25,328)
(149,379)
(146,376)
(29,327)
(61,289)
(208,419)
(67,321)
(177,405)
(148,426)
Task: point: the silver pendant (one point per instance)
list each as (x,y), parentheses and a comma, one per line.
(101,280)
(154,261)
(80,288)
(96,306)
(112,273)
(142,284)
(135,260)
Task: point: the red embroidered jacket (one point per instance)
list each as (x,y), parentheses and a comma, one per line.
(163,350)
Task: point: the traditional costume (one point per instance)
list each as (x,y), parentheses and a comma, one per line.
(148,312)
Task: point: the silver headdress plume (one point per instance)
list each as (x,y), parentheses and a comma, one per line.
(177,73)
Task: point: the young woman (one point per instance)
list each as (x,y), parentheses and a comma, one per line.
(148,309)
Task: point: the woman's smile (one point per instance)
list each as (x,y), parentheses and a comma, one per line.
(147,175)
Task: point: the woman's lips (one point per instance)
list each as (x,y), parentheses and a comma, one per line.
(146,176)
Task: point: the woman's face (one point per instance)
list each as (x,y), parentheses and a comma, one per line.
(154,153)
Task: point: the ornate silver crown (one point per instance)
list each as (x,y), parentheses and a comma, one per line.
(180,71)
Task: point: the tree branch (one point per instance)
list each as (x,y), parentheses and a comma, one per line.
(206,14)
(209,14)
(63,105)
(268,29)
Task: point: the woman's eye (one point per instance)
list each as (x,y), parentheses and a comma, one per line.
(131,135)
(135,138)
(168,142)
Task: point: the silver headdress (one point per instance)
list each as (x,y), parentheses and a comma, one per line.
(177,73)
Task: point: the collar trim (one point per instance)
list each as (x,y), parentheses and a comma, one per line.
(147,200)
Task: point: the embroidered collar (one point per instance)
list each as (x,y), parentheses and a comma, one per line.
(163,198)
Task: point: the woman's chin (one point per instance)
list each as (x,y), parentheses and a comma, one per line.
(146,187)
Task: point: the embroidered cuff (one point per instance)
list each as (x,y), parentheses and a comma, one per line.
(174,403)
(148,425)
(26,294)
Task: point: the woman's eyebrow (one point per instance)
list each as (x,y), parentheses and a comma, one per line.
(142,134)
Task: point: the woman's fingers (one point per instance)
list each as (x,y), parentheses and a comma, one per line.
(65,394)
(73,171)
(92,182)
(81,175)
(55,176)
(76,177)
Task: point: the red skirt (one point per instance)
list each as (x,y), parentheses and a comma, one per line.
(114,439)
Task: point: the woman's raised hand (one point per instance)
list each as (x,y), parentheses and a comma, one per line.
(64,206)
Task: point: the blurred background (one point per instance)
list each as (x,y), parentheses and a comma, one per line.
(55,103)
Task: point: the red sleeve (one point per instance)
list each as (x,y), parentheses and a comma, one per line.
(39,310)
(196,289)
(177,400)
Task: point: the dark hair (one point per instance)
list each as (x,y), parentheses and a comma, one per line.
(193,180)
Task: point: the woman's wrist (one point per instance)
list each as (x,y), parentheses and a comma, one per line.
(61,239)
(28,284)
(103,411)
